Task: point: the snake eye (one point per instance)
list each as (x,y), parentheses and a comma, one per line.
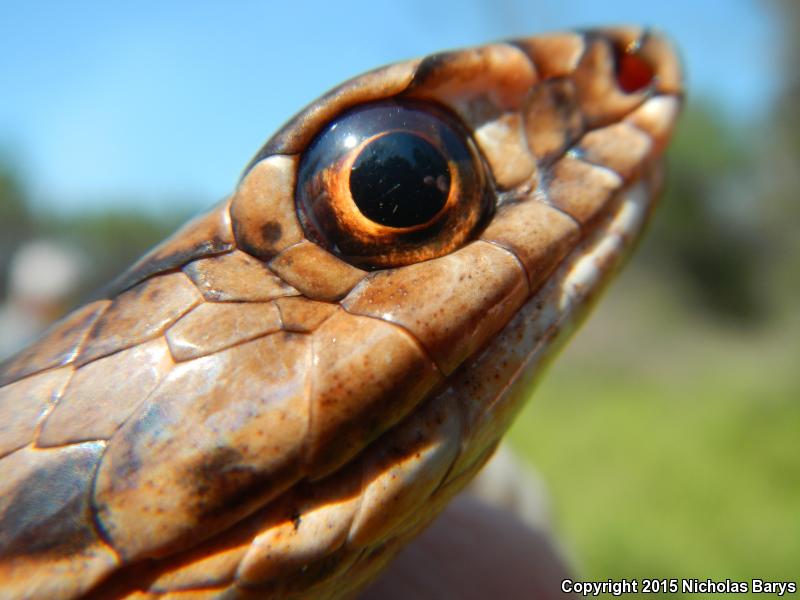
(390,184)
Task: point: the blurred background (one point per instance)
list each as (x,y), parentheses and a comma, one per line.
(668,433)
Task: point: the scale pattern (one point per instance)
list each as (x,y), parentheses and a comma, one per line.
(247,415)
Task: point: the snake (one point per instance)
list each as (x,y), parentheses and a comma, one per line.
(279,396)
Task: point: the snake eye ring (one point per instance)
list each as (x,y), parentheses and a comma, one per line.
(390,184)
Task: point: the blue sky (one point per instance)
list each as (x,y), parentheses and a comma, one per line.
(105,102)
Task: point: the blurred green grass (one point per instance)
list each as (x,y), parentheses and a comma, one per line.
(669,442)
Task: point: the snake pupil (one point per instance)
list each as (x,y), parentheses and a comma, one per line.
(400,180)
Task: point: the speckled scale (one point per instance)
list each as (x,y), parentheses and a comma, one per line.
(102,394)
(57,346)
(236,277)
(539,236)
(24,402)
(221,436)
(303,315)
(264,220)
(580,189)
(46,523)
(318,274)
(205,235)
(211,327)
(368,374)
(140,314)
(246,415)
(552,118)
(443,302)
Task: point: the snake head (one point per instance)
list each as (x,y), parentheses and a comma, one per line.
(280,395)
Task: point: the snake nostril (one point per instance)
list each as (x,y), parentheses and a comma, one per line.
(634,72)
